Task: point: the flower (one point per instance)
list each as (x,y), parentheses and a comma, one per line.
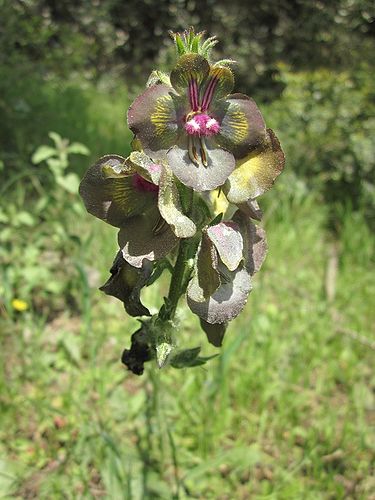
(197,123)
(126,283)
(141,198)
(230,253)
(256,173)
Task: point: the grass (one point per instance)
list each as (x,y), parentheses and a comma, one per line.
(284,412)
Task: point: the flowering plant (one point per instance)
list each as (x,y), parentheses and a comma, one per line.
(185,200)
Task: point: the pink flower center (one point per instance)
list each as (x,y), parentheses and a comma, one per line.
(201,125)
(140,184)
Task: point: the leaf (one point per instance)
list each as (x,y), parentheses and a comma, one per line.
(57,139)
(185,358)
(25,218)
(188,358)
(72,346)
(216,220)
(157,77)
(69,182)
(42,154)
(162,352)
(78,148)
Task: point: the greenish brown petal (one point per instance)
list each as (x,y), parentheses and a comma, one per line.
(188,67)
(146,236)
(153,118)
(116,167)
(242,127)
(136,144)
(108,192)
(227,239)
(218,84)
(206,278)
(255,242)
(256,173)
(215,332)
(227,301)
(252,209)
(126,283)
(170,206)
(145,166)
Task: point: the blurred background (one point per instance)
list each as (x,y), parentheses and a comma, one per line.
(287,409)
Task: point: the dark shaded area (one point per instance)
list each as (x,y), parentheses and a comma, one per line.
(139,353)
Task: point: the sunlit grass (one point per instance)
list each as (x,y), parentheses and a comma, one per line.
(283,412)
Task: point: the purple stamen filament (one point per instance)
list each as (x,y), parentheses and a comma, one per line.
(198,123)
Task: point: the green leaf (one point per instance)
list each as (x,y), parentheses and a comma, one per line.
(163,350)
(185,358)
(78,148)
(157,77)
(69,182)
(179,45)
(57,139)
(25,218)
(42,154)
(216,220)
(188,358)
(4,218)
(72,346)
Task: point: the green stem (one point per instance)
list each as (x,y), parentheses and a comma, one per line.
(179,272)
(177,280)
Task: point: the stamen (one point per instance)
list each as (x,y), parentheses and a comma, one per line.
(160,226)
(195,152)
(203,152)
(194,94)
(192,151)
(209,92)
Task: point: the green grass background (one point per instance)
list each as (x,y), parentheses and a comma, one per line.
(286,411)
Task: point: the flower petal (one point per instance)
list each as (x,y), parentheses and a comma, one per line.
(170,206)
(219,83)
(220,164)
(108,191)
(126,283)
(215,333)
(241,124)
(252,209)
(153,117)
(189,67)
(228,300)
(206,278)
(146,236)
(255,242)
(144,165)
(256,173)
(227,239)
